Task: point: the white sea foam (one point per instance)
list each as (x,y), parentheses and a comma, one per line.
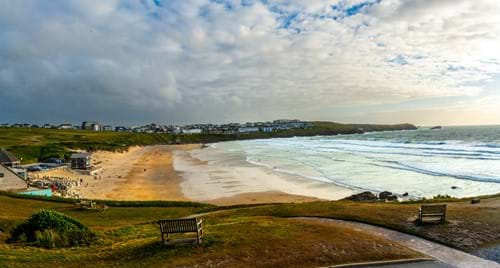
(422,168)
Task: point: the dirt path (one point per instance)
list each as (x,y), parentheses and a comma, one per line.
(440,252)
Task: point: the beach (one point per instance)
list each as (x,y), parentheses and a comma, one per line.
(141,173)
(218,176)
(457,162)
(175,172)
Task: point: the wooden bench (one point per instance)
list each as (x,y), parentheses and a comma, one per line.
(191,225)
(432,213)
(91,205)
(87,204)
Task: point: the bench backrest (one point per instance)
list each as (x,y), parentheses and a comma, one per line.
(179,225)
(433,209)
(87,203)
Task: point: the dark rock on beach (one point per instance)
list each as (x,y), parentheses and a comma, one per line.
(387,196)
(384,195)
(364,196)
(371,197)
(392,198)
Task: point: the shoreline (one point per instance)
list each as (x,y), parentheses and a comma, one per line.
(213,175)
(195,173)
(149,173)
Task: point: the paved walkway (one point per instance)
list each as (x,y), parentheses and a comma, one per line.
(444,254)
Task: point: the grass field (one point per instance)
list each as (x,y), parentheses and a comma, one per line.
(129,237)
(259,236)
(34,144)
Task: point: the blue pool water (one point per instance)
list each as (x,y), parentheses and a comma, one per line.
(44,192)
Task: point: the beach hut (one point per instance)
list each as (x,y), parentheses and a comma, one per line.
(80,161)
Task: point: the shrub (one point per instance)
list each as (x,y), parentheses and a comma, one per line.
(50,229)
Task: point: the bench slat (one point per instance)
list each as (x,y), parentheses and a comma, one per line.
(181,226)
(178,226)
(432,211)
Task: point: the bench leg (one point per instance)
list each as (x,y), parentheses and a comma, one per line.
(162,239)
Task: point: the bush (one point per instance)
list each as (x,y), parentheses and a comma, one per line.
(50,229)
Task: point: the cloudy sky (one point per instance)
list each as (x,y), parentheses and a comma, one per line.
(185,61)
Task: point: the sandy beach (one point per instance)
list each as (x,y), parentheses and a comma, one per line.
(174,172)
(217,176)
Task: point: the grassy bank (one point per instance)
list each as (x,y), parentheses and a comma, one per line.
(35,144)
(128,237)
(242,236)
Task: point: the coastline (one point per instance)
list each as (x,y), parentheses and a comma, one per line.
(216,176)
(153,173)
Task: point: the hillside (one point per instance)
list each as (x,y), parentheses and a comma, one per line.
(35,144)
(129,237)
(234,236)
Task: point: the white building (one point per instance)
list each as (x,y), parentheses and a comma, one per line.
(65,126)
(267,129)
(192,131)
(248,129)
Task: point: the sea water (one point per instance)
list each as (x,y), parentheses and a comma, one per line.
(455,161)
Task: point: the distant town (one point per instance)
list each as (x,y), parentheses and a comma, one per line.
(230,128)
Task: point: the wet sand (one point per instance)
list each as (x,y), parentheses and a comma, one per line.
(217,176)
(170,172)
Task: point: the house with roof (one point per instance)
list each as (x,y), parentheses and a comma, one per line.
(80,161)
(10,180)
(8,159)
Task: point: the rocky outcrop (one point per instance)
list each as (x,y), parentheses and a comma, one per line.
(364,196)
(388,196)
(371,197)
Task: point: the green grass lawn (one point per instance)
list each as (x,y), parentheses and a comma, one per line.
(258,235)
(128,237)
(467,227)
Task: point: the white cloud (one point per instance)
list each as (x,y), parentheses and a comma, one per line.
(138,57)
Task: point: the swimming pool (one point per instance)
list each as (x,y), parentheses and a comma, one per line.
(44,192)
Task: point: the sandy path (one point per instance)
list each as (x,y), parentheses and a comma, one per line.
(440,252)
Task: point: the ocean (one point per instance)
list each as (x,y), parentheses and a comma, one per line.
(455,161)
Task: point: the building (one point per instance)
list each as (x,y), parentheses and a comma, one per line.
(91,125)
(107,128)
(192,131)
(8,159)
(80,161)
(248,129)
(65,126)
(267,129)
(10,180)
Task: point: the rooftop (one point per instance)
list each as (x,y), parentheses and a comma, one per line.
(80,155)
(7,157)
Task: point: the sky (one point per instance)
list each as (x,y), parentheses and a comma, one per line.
(425,62)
